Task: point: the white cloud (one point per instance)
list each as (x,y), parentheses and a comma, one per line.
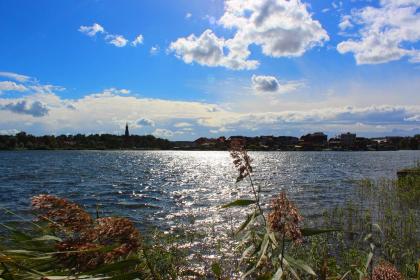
(11,86)
(265,83)
(145,122)
(281,28)
(154,50)
(164,133)
(106,111)
(116,40)
(211,19)
(270,84)
(14,76)
(113,39)
(27,84)
(182,124)
(9,131)
(116,91)
(35,109)
(207,50)
(92,30)
(188,15)
(384,32)
(45,89)
(137,41)
(42,111)
(345,23)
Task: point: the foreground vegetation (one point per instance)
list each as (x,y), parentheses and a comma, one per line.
(375,235)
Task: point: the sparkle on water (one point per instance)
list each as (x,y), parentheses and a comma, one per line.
(169,188)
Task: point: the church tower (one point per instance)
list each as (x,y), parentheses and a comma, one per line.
(127,133)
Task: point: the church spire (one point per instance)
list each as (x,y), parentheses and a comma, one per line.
(127,133)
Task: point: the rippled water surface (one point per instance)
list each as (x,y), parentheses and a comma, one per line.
(161,188)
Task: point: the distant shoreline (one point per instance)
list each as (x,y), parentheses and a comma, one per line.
(317,141)
(200,150)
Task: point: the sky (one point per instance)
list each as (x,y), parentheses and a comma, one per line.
(184,69)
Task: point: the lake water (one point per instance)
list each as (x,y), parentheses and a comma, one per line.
(163,188)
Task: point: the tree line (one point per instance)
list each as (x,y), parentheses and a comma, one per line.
(23,140)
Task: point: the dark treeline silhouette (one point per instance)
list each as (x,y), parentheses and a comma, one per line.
(311,142)
(81,142)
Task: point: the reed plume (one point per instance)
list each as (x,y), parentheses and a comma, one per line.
(241,159)
(86,246)
(386,271)
(284,218)
(59,212)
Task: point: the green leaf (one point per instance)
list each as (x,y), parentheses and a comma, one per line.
(248,252)
(345,275)
(316,231)
(273,239)
(263,250)
(216,269)
(367,237)
(128,276)
(278,274)
(239,202)
(47,238)
(248,273)
(378,228)
(23,252)
(122,265)
(369,259)
(246,223)
(301,265)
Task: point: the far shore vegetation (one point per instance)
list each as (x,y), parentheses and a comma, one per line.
(317,141)
(374,235)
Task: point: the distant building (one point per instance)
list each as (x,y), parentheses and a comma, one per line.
(334,143)
(313,141)
(127,133)
(347,140)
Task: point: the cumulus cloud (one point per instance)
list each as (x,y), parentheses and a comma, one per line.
(385,115)
(116,91)
(35,109)
(385,32)
(104,112)
(113,39)
(281,28)
(154,50)
(15,76)
(182,124)
(11,86)
(26,84)
(208,50)
(116,40)
(164,133)
(9,131)
(145,122)
(45,89)
(265,83)
(270,84)
(138,41)
(91,30)
(188,15)
(345,23)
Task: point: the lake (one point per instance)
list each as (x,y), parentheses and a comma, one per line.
(164,188)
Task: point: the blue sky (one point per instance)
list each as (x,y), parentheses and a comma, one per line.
(185,69)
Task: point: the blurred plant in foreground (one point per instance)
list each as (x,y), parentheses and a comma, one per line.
(66,243)
(265,240)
